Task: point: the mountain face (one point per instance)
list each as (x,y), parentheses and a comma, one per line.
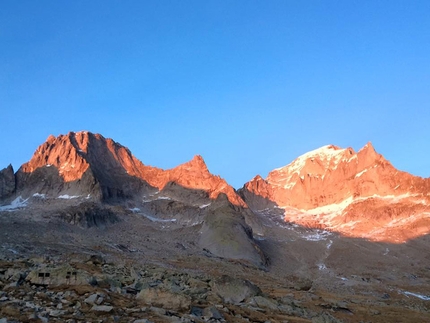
(358,194)
(77,176)
(127,240)
(88,164)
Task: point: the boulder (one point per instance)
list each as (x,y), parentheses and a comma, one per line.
(235,290)
(165,299)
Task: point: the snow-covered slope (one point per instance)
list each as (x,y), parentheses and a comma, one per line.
(357,194)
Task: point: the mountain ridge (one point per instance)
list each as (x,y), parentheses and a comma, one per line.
(109,164)
(330,187)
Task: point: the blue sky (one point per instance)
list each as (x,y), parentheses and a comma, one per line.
(249,85)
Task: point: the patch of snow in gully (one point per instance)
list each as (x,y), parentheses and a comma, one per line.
(68,197)
(17,203)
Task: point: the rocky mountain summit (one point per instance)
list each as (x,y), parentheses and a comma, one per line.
(88,164)
(89,233)
(358,194)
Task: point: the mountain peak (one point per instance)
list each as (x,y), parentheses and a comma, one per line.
(115,170)
(195,164)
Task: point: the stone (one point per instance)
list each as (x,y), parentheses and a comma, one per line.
(212,312)
(325,318)
(233,290)
(91,299)
(265,303)
(102,308)
(196,311)
(165,299)
(56,313)
(303,284)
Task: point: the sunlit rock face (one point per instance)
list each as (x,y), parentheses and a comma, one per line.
(358,194)
(111,171)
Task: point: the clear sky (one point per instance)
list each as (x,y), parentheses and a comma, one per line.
(249,85)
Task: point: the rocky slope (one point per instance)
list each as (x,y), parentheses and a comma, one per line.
(358,194)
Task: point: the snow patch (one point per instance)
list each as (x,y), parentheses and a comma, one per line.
(163,198)
(322,267)
(153,219)
(204,205)
(361,173)
(420,296)
(319,235)
(42,196)
(331,208)
(135,210)
(68,197)
(17,203)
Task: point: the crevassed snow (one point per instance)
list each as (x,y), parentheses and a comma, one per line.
(68,197)
(17,203)
(42,196)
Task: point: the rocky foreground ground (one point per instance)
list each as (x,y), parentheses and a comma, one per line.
(107,280)
(91,290)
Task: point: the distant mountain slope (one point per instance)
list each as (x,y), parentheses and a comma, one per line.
(358,194)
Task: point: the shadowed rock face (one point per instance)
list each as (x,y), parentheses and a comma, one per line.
(225,234)
(89,215)
(7,182)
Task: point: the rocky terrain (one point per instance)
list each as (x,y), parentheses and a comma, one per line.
(88,233)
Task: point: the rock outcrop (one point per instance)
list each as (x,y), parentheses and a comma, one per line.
(226,234)
(7,182)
